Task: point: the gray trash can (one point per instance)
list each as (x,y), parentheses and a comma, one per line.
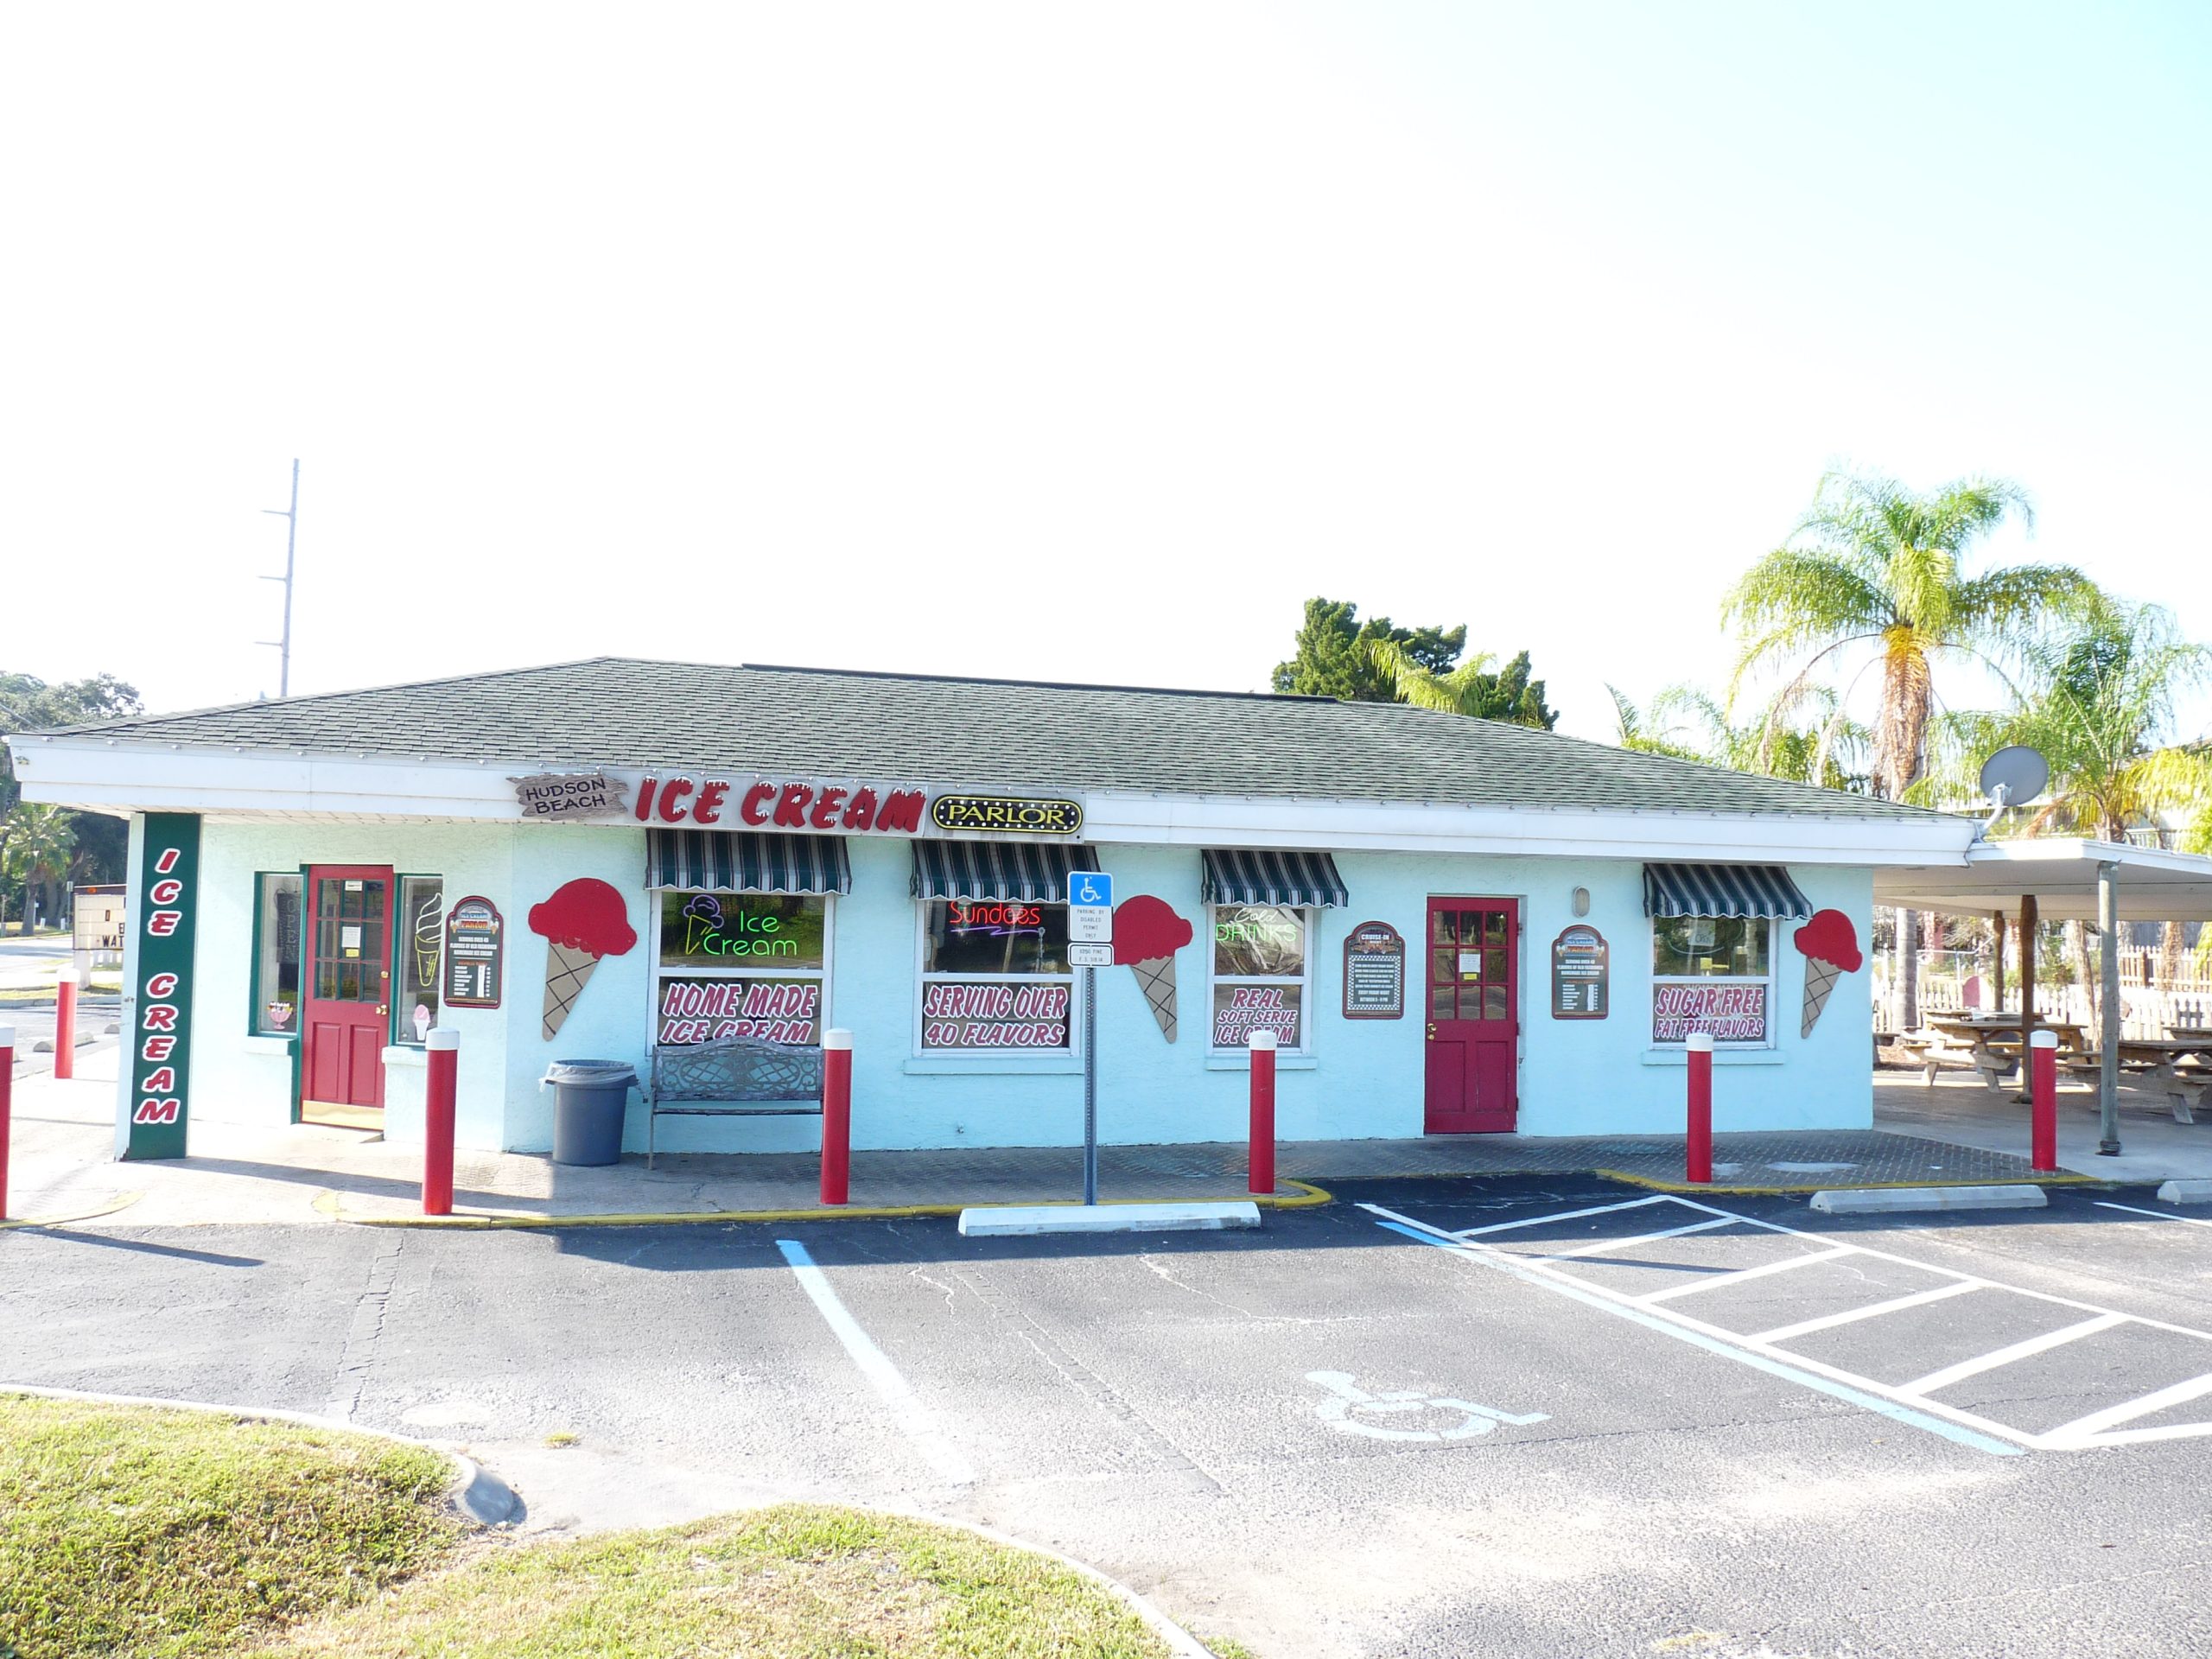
(589,1098)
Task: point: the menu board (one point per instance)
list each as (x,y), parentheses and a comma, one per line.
(1375,972)
(476,955)
(1581,975)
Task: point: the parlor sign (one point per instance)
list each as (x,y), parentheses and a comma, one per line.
(169,903)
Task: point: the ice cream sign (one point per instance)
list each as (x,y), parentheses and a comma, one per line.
(814,805)
(1830,946)
(582,921)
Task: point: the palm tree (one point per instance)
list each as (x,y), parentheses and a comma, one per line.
(36,850)
(1812,743)
(2099,705)
(1472,688)
(1875,566)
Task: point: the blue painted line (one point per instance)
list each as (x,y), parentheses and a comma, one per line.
(1890,1408)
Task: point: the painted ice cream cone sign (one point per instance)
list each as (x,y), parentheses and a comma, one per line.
(1830,946)
(584,920)
(1146,936)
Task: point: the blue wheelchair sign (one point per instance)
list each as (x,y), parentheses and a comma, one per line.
(1091,887)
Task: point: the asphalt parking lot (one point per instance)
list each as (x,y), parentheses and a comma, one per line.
(1526,1417)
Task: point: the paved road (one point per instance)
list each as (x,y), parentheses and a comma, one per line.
(28,970)
(1596,1423)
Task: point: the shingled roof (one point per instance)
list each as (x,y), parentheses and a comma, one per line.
(628,712)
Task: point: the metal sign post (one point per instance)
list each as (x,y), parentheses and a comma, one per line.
(1090,923)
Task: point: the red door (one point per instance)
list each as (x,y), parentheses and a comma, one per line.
(347,1019)
(1473,1024)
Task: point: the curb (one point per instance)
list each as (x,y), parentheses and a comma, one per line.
(487,1500)
(1869,1201)
(1652,1182)
(120,1201)
(480,1496)
(1305,1197)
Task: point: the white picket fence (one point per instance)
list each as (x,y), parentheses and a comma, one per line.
(1951,979)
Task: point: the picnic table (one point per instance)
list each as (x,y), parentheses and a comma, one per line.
(1989,1043)
(2159,1063)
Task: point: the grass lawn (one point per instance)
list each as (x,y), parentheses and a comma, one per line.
(797,1581)
(138,1533)
(157,1534)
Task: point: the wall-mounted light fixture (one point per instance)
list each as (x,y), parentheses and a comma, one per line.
(1582,901)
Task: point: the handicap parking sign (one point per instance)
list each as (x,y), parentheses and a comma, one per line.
(1089,887)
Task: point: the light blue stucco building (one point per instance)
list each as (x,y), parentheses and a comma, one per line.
(1452,925)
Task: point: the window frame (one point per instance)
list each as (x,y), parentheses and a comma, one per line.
(402,1034)
(1309,918)
(1770,979)
(826,973)
(923,978)
(255,1026)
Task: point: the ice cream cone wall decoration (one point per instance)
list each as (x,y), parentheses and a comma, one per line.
(1830,946)
(1146,936)
(584,920)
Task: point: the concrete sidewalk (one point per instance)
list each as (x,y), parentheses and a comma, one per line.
(311,1175)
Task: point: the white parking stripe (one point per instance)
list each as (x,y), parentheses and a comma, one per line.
(1604,1244)
(1567,1215)
(912,1416)
(2081,1428)
(1990,1362)
(2156,1215)
(1742,1274)
(1873,1310)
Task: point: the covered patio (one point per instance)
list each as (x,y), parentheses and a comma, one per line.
(2018,884)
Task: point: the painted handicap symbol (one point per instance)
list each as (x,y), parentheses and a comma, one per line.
(1348,1403)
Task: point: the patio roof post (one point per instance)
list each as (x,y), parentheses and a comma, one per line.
(2109,1012)
(2027,969)
(1996,973)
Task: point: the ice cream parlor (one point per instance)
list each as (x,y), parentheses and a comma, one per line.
(1449,926)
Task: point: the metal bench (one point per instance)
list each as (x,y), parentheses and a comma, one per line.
(733,1077)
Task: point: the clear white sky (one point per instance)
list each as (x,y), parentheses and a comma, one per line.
(1069,342)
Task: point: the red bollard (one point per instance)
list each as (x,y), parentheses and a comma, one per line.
(7,1090)
(65,1025)
(443,1047)
(1262,1159)
(836,1115)
(1697,1155)
(2042,1068)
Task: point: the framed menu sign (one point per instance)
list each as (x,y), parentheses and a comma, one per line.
(1581,976)
(476,954)
(1375,972)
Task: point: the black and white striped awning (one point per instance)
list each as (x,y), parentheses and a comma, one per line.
(1032,874)
(1722,890)
(741,860)
(1298,880)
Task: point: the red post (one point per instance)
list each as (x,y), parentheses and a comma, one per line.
(836,1116)
(443,1045)
(1262,1160)
(7,1089)
(2043,1137)
(1698,1152)
(65,1025)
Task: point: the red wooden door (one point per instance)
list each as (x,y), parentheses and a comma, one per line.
(347,1019)
(1474,1024)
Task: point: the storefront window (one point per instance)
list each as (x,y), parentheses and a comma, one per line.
(741,964)
(420,943)
(276,953)
(1260,969)
(994,976)
(1712,973)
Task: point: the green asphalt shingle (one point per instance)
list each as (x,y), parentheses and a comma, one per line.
(632,713)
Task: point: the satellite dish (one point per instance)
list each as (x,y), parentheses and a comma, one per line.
(2014,776)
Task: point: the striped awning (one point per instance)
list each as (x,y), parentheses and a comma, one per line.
(1298,880)
(1722,890)
(1034,873)
(741,861)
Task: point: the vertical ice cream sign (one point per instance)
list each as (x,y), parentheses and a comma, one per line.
(584,920)
(1830,946)
(168,880)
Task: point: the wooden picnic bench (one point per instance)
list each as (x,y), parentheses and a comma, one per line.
(1932,1046)
(2156,1066)
(732,1076)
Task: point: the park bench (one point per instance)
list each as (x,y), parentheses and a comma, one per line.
(732,1076)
